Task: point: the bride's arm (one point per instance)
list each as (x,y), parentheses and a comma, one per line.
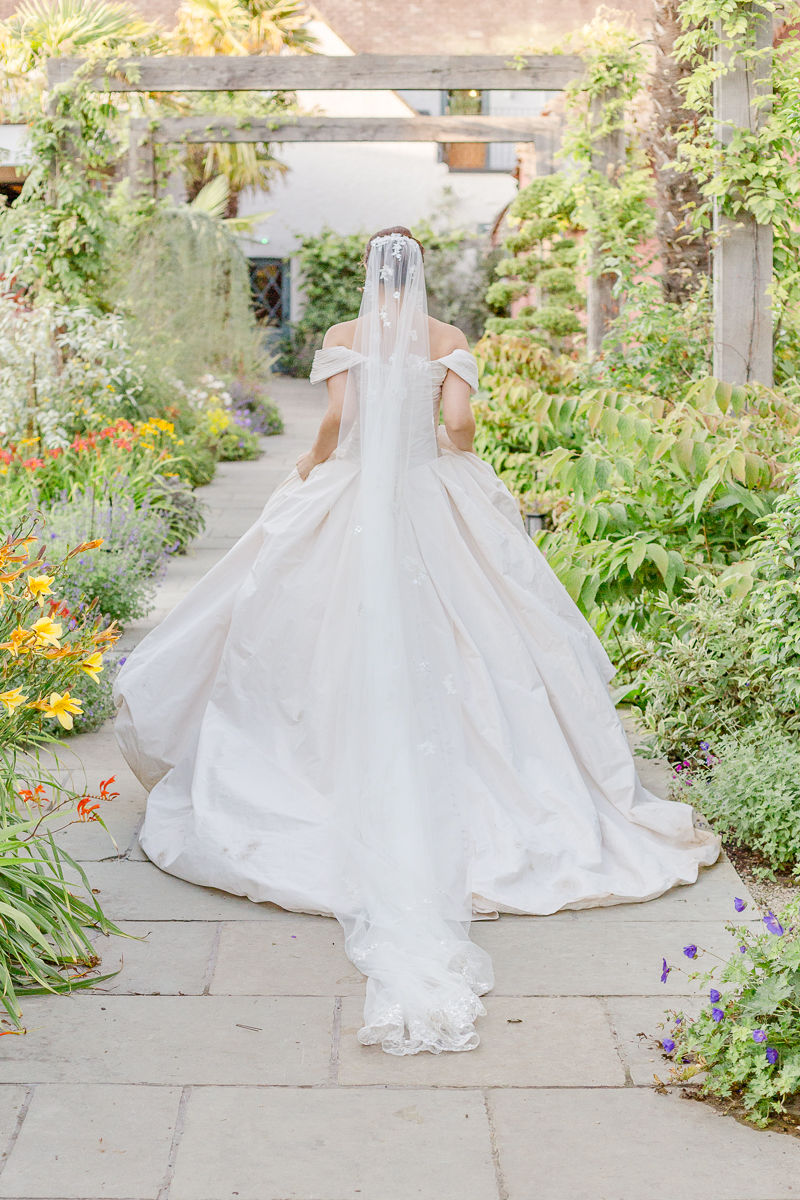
(457,411)
(328,435)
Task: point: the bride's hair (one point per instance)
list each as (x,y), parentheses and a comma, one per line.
(401,229)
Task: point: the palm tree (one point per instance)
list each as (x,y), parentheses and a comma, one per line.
(242,27)
(237,27)
(42,29)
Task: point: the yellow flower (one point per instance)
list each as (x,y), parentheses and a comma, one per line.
(92,665)
(18,642)
(13,699)
(160,423)
(47,632)
(39,586)
(60,708)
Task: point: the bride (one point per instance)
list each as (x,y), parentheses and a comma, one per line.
(383,705)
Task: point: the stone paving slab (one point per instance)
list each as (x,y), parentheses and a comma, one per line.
(546,958)
(633,1144)
(540,1042)
(138,891)
(12,1102)
(298,956)
(262,1144)
(638,1021)
(172,958)
(710,899)
(171,1039)
(94,1140)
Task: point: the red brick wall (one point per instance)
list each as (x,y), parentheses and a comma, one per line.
(434,26)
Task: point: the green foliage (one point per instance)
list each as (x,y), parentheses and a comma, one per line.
(544,253)
(742,170)
(749,788)
(698,676)
(643,492)
(332,275)
(655,346)
(53,238)
(44,946)
(747,1040)
(182,283)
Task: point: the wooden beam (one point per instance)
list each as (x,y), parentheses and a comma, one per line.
(321,72)
(213,128)
(742,255)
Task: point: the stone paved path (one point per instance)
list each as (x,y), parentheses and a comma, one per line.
(223,1062)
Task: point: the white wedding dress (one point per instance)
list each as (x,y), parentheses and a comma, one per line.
(382,704)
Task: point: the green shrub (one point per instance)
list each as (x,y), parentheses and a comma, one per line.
(698,673)
(332,275)
(747,1039)
(237,444)
(751,791)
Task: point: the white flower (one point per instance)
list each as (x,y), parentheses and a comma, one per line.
(385,272)
(413,335)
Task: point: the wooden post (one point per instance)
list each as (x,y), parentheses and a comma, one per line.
(141,159)
(742,254)
(608,154)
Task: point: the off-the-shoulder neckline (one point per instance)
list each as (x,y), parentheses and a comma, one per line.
(350,350)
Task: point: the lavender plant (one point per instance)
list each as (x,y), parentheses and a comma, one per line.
(120,579)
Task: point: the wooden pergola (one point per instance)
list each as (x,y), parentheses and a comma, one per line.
(742,261)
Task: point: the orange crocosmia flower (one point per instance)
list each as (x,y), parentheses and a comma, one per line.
(36,796)
(39,586)
(46,632)
(13,699)
(60,708)
(105,784)
(93,665)
(87,811)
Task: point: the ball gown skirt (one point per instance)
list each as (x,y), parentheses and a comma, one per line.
(228,709)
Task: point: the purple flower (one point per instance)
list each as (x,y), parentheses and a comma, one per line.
(690,951)
(739,905)
(678,1020)
(713,995)
(665,970)
(717,1014)
(772,1055)
(679,766)
(759,1035)
(668,1045)
(773,924)
(704,746)
(743,949)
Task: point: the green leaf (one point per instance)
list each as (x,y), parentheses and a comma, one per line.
(658,555)
(636,558)
(573,581)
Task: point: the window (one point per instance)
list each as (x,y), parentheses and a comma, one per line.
(269,283)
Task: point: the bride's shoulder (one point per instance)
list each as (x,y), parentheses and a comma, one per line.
(444,339)
(340,335)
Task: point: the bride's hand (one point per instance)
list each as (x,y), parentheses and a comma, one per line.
(305,464)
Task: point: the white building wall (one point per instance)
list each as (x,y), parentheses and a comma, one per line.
(358,187)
